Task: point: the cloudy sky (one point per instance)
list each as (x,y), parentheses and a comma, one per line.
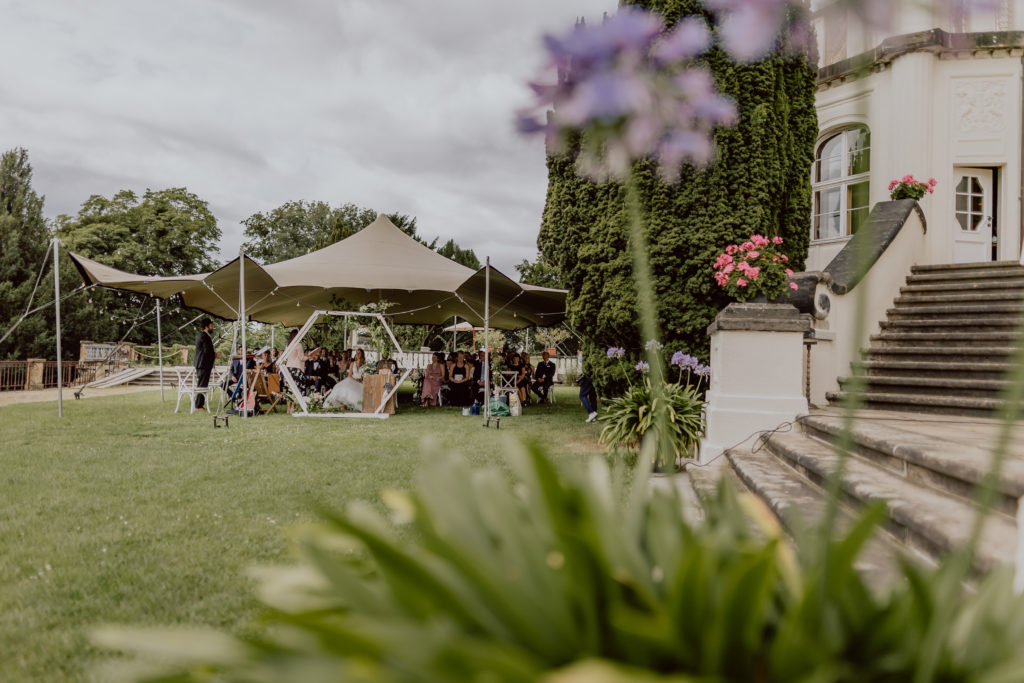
(397,105)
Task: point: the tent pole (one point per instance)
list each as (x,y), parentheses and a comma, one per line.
(345,344)
(56,289)
(454,328)
(272,326)
(160,350)
(241,322)
(487,346)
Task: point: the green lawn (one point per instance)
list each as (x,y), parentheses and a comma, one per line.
(126,512)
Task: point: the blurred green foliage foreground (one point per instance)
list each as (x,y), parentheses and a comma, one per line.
(584,572)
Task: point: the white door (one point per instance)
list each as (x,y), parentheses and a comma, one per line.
(972,225)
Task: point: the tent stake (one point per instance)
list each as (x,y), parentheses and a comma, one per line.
(160,350)
(56,302)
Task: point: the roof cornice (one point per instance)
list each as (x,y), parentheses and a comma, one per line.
(936,41)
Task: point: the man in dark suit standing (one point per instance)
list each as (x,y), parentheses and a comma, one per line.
(204,360)
(480,368)
(545,376)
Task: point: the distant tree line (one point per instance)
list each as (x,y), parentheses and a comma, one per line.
(161,232)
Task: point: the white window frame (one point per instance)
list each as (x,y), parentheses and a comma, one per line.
(843,182)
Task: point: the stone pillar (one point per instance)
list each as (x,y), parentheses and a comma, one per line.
(83,350)
(756,373)
(184,355)
(34,374)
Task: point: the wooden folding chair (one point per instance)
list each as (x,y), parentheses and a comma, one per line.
(275,392)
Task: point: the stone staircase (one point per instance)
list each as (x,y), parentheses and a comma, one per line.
(947,344)
(925,435)
(924,477)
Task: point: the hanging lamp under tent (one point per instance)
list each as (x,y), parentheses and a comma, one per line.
(378,263)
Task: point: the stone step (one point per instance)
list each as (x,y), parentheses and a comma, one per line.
(933,386)
(958,336)
(993,324)
(705,479)
(980,298)
(937,312)
(927,460)
(914,368)
(800,505)
(967,286)
(922,518)
(941,354)
(983,266)
(966,275)
(914,402)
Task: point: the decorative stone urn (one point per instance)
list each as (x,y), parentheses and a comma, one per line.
(756,373)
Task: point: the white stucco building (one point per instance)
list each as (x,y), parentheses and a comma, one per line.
(938,96)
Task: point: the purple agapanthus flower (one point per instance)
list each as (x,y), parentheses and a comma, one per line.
(616,352)
(684,361)
(642,366)
(654,345)
(633,88)
(702,370)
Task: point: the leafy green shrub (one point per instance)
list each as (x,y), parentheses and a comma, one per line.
(585,573)
(629,417)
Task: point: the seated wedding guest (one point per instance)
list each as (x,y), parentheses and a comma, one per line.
(432,378)
(460,377)
(544,377)
(235,368)
(344,360)
(449,364)
(267,364)
(236,372)
(387,363)
(524,379)
(318,370)
(296,363)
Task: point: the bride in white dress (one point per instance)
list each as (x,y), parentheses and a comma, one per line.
(349,391)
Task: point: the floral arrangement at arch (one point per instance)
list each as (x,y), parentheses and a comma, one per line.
(909,187)
(755,267)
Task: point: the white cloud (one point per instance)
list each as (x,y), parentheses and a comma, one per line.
(399,105)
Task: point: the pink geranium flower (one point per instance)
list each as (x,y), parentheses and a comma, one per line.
(741,282)
(776,240)
(792,285)
(789,272)
(753,254)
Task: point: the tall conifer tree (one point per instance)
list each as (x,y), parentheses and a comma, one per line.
(23,240)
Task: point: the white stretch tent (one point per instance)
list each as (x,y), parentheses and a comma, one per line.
(378,263)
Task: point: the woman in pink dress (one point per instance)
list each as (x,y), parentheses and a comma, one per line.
(432,380)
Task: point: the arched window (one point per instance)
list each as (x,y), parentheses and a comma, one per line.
(842,162)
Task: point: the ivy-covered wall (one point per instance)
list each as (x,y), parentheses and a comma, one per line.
(759,183)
